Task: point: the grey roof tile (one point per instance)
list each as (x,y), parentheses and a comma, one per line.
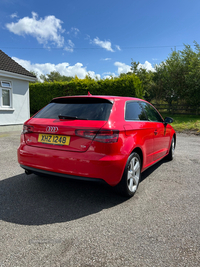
(8,64)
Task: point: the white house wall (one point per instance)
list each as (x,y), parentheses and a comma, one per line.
(20,111)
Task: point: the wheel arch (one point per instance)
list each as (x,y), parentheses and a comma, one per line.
(138,150)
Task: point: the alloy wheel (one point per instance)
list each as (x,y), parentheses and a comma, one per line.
(133,174)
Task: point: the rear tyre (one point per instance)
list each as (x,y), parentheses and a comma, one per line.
(170,156)
(131,176)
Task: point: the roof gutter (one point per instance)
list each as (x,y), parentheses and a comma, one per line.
(17,76)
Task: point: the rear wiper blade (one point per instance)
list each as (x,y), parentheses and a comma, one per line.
(64,117)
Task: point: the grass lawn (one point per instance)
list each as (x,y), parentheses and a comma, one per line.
(184,123)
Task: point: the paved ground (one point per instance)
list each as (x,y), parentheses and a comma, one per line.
(56,222)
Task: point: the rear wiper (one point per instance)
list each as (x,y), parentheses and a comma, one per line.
(65,117)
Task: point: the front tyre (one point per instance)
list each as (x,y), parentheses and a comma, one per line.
(131,176)
(170,156)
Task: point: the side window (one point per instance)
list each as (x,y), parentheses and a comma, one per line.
(151,112)
(134,111)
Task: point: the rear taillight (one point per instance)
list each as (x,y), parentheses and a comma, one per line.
(107,136)
(27,129)
(103,136)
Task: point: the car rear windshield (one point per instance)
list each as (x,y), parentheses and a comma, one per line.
(77,108)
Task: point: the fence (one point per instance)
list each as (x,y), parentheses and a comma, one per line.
(177,109)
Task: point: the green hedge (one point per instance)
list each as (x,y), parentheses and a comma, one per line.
(42,93)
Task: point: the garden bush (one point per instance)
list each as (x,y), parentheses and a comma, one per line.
(42,93)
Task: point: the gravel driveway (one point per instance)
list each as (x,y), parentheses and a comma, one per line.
(57,222)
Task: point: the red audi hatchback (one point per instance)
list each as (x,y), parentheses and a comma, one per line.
(106,138)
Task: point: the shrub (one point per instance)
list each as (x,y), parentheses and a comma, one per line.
(42,93)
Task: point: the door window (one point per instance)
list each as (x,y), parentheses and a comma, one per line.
(151,112)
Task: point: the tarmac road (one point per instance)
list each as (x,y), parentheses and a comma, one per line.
(60,222)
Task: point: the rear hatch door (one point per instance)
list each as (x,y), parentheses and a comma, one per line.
(56,125)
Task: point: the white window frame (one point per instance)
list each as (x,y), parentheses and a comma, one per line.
(8,87)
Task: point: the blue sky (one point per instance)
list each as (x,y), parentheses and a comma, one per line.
(78,37)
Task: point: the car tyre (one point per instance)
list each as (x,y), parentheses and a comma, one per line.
(170,156)
(131,176)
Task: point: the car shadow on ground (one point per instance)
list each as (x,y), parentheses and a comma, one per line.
(34,200)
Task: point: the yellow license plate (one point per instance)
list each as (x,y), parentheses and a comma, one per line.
(54,139)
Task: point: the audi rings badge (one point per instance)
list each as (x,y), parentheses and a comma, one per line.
(51,129)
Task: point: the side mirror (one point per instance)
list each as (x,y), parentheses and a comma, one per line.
(168,120)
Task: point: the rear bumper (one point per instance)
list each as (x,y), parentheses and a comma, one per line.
(43,172)
(87,165)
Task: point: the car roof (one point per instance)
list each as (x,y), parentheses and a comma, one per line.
(111,98)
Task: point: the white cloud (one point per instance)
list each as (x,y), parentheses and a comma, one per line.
(93,75)
(70,46)
(87,37)
(106,59)
(122,67)
(104,44)
(75,31)
(14,15)
(108,75)
(147,65)
(63,68)
(44,30)
(118,47)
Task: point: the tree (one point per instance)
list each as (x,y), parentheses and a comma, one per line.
(145,77)
(35,74)
(55,76)
(192,76)
(169,80)
(178,78)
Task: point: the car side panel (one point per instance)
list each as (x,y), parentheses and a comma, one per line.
(140,134)
(161,140)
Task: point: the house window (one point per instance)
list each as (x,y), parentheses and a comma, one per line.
(6,97)
(6,84)
(5,94)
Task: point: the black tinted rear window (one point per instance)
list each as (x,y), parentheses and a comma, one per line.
(83,108)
